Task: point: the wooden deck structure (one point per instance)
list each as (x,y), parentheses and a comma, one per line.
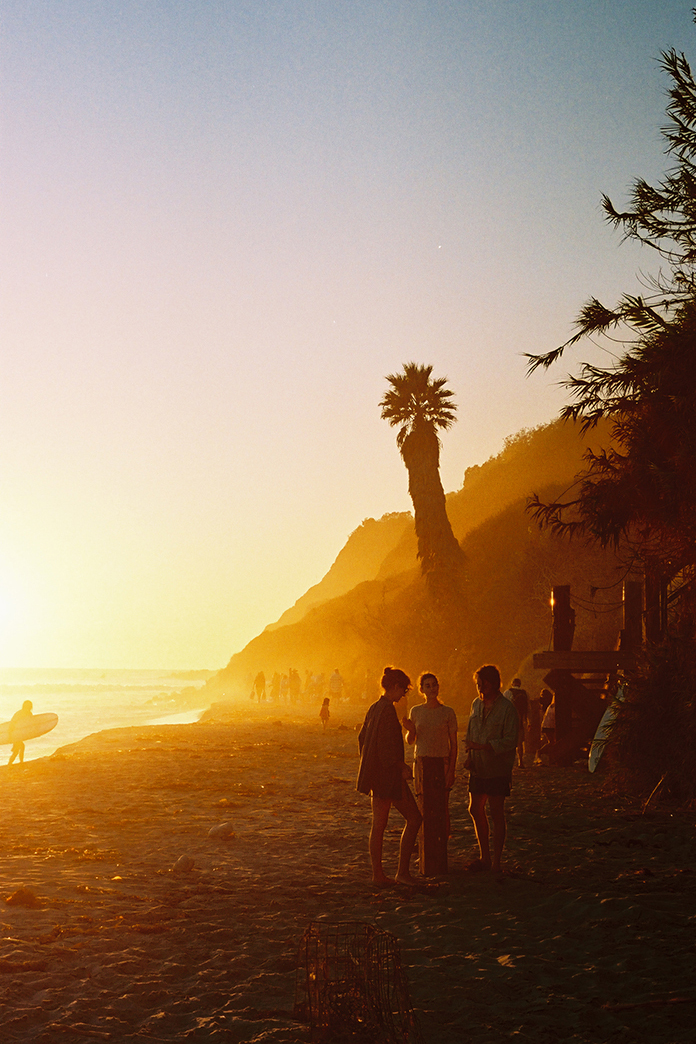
(578,678)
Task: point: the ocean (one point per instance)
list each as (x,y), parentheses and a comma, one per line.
(88,701)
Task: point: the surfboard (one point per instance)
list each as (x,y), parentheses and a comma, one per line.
(601,736)
(37,725)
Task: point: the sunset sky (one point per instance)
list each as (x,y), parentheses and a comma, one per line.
(222,223)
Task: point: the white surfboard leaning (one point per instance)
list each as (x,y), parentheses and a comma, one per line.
(37,725)
(600,738)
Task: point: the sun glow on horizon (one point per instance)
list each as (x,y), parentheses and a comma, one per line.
(222,226)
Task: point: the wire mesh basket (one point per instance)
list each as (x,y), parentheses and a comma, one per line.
(350,985)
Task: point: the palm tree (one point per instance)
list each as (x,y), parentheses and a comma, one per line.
(419,406)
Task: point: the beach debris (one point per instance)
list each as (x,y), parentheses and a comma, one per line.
(23,897)
(223,831)
(184,864)
(349,979)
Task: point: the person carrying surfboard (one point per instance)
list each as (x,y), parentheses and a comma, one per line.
(23,715)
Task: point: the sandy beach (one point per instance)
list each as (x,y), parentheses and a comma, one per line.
(589,935)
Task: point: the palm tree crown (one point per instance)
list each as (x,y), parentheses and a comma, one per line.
(415,401)
(418,405)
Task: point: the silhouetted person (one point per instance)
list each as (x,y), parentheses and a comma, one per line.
(325,713)
(383,773)
(532,740)
(434,729)
(336,684)
(20,718)
(260,686)
(491,739)
(294,684)
(520,700)
(548,725)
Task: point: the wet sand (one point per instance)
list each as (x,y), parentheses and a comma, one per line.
(597,908)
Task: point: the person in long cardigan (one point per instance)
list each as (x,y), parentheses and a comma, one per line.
(384,774)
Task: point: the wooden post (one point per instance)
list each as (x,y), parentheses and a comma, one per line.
(563,618)
(632,615)
(432,802)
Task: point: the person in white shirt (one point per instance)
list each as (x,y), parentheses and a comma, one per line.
(433,727)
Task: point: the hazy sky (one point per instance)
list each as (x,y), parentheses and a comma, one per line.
(222,223)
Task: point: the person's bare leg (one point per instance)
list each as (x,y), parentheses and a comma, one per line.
(380,815)
(477,811)
(496,804)
(409,810)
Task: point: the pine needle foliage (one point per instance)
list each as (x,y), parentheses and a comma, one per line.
(661,217)
(640,493)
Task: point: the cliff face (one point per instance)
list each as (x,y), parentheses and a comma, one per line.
(371,607)
(360,559)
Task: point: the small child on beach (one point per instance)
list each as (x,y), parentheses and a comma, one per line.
(324,713)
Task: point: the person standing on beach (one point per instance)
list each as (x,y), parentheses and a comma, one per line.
(434,729)
(548,722)
(532,740)
(491,739)
(22,716)
(520,699)
(260,686)
(325,713)
(336,685)
(383,773)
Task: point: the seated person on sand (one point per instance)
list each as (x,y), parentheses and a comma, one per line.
(20,718)
(383,773)
(434,729)
(491,741)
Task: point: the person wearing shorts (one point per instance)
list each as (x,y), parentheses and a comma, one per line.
(491,740)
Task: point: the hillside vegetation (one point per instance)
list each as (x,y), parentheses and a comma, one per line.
(372,608)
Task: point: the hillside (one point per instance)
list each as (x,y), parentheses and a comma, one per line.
(360,559)
(371,607)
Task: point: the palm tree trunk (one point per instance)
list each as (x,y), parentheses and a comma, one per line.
(441,557)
